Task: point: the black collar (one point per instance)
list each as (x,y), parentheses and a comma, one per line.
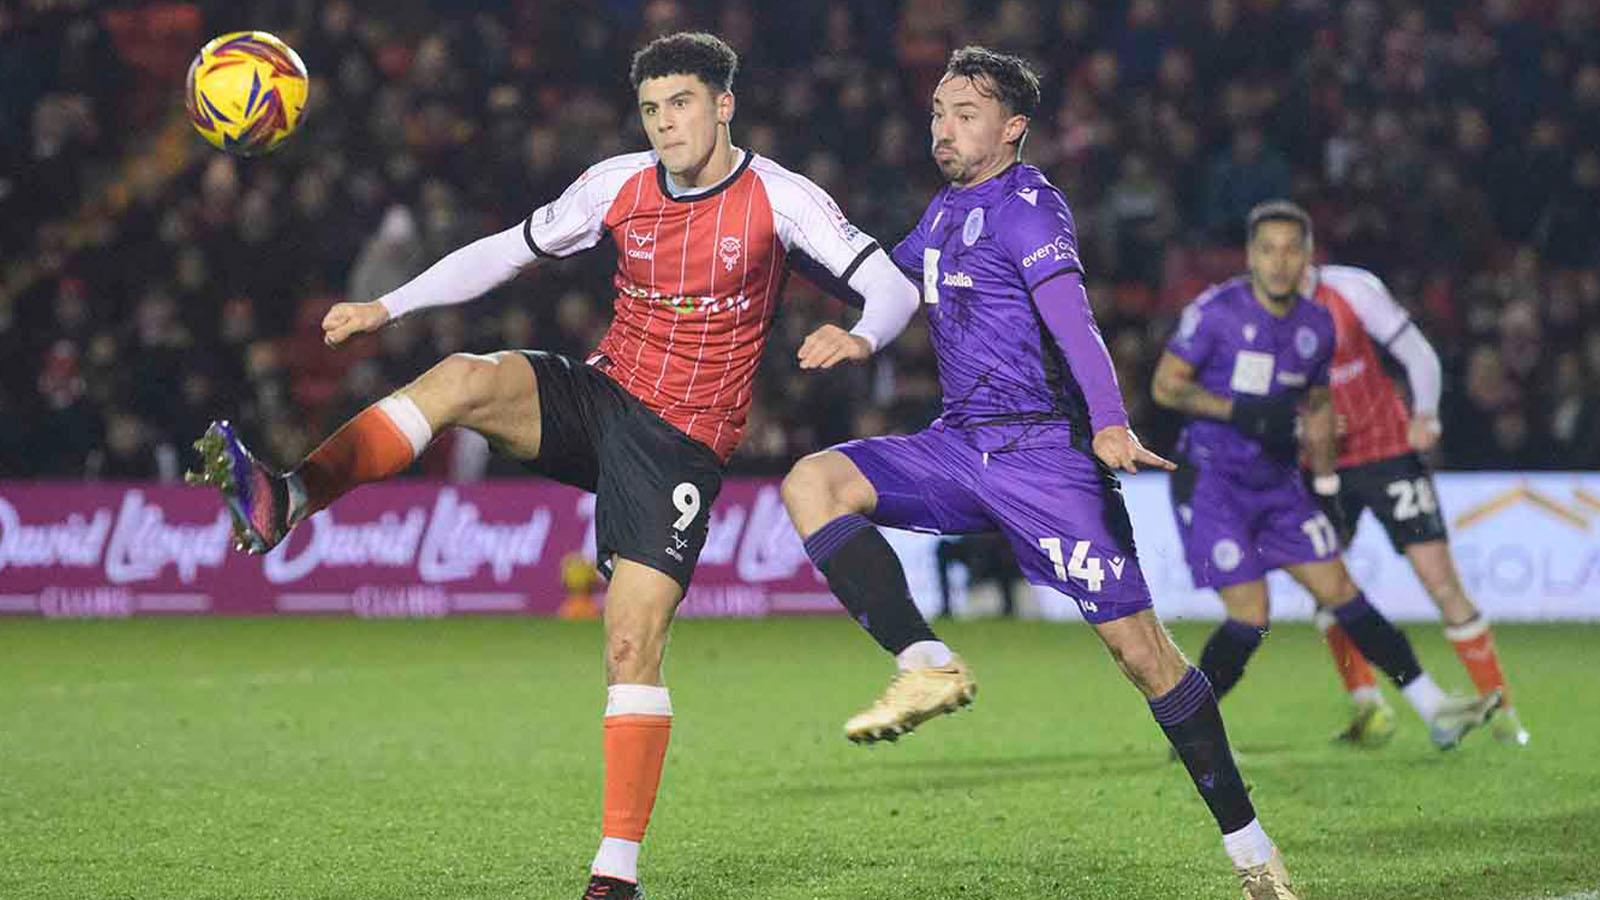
(661,180)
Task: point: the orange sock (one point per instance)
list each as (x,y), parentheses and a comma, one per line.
(638,726)
(379,443)
(1474,644)
(1354,670)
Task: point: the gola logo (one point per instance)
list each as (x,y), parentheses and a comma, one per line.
(957,279)
(641,254)
(1059,249)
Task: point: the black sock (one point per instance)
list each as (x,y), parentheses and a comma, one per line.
(1226,654)
(1189,715)
(866,576)
(1379,641)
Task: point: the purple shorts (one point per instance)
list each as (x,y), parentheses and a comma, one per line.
(1061,511)
(1234,532)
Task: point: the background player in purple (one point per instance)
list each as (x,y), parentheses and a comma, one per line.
(1032,430)
(1247,356)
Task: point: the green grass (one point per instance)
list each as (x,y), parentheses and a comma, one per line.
(460,759)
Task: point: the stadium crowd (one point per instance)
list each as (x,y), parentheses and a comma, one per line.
(149,284)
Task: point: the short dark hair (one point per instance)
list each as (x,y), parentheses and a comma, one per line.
(1277,211)
(1009,78)
(705,56)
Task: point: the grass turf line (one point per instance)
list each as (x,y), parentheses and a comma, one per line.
(338,758)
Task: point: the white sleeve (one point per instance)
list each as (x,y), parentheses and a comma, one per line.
(464,275)
(1423,371)
(575,221)
(809,223)
(569,224)
(891,300)
(1391,327)
(1381,316)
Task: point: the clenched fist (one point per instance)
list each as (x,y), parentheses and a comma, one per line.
(831,345)
(346,319)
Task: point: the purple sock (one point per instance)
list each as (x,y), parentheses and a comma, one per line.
(827,540)
(1228,652)
(1379,640)
(1180,703)
(864,573)
(1188,714)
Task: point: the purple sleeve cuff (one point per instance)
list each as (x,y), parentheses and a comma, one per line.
(1064,306)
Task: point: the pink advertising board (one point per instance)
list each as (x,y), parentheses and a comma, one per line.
(415,549)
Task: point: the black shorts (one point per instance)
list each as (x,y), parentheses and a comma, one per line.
(653,484)
(1400,492)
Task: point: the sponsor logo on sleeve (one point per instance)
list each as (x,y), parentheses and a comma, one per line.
(1057,249)
(1188,323)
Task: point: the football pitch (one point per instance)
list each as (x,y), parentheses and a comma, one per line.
(460,758)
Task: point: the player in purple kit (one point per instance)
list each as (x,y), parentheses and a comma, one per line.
(1247,356)
(1032,431)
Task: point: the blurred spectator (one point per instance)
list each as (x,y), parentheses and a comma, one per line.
(388,259)
(148,283)
(1247,173)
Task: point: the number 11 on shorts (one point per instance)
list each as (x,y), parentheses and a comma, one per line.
(1081,565)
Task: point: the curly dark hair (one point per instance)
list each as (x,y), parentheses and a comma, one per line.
(705,56)
(1007,78)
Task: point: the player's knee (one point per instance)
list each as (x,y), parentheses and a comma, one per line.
(1444,588)
(1336,589)
(1144,660)
(807,485)
(474,381)
(631,656)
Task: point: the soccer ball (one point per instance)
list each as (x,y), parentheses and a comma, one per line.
(246,92)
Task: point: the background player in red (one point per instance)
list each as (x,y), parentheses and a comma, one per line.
(1380,468)
(705,234)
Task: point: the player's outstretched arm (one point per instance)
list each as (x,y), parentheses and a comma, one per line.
(1174,387)
(1321,438)
(1118,447)
(889,301)
(1388,324)
(1425,375)
(830,345)
(463,275)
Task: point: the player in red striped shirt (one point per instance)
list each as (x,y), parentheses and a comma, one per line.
(706,234)
(1380,469)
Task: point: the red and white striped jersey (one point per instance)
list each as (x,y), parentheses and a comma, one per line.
(698,277)
(1375,417)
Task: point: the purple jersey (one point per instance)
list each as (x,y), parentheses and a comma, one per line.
(982,254)
(1239,349)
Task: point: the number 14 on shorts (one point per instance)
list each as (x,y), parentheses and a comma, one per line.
(1081,565)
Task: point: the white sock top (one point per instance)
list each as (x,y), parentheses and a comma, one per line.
(1424,695)
(638,700)
(1249,846)
(924,655)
